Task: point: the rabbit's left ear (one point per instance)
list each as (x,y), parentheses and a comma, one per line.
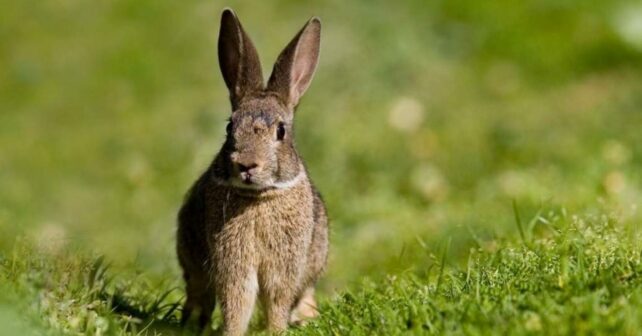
(295,66)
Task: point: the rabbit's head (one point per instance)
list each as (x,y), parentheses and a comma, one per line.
(259,149)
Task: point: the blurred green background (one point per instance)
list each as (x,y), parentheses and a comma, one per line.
(424,121)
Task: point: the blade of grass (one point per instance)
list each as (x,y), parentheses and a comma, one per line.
(443,263)
(518,221)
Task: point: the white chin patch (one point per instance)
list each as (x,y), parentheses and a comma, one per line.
(290,183)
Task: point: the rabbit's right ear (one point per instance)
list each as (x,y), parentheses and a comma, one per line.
(295,65)
(238,59)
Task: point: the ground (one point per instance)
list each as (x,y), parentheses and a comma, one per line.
(480,161)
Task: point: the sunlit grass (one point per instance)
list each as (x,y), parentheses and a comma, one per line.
(577,275)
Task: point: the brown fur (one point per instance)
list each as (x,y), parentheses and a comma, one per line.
(253,225)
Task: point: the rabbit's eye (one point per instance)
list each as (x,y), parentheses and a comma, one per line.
(280,132)
(228,129)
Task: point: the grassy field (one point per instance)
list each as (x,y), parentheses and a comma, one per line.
(481,161)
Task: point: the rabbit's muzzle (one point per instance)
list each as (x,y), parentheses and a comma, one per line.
(248,167)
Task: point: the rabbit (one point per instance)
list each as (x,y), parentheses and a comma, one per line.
(253,225)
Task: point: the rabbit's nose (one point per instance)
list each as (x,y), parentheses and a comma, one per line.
(246,163)
(246,168)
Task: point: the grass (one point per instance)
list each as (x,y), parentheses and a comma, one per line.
(480,161)
(571,275)
(576,276)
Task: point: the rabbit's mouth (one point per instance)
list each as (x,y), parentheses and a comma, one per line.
(246,178)
(251,181)
(248,181)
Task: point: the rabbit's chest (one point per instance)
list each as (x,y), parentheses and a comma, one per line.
(262,231)
(277,225)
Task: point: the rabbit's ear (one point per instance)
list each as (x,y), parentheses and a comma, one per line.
(295,66)
(238,59)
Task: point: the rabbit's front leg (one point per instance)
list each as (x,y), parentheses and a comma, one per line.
(238,294)
(278,303)
(279,289)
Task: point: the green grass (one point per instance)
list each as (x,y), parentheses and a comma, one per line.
(569,274)
(577,276)
(480,160)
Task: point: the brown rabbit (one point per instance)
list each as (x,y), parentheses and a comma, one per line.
(253,224)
